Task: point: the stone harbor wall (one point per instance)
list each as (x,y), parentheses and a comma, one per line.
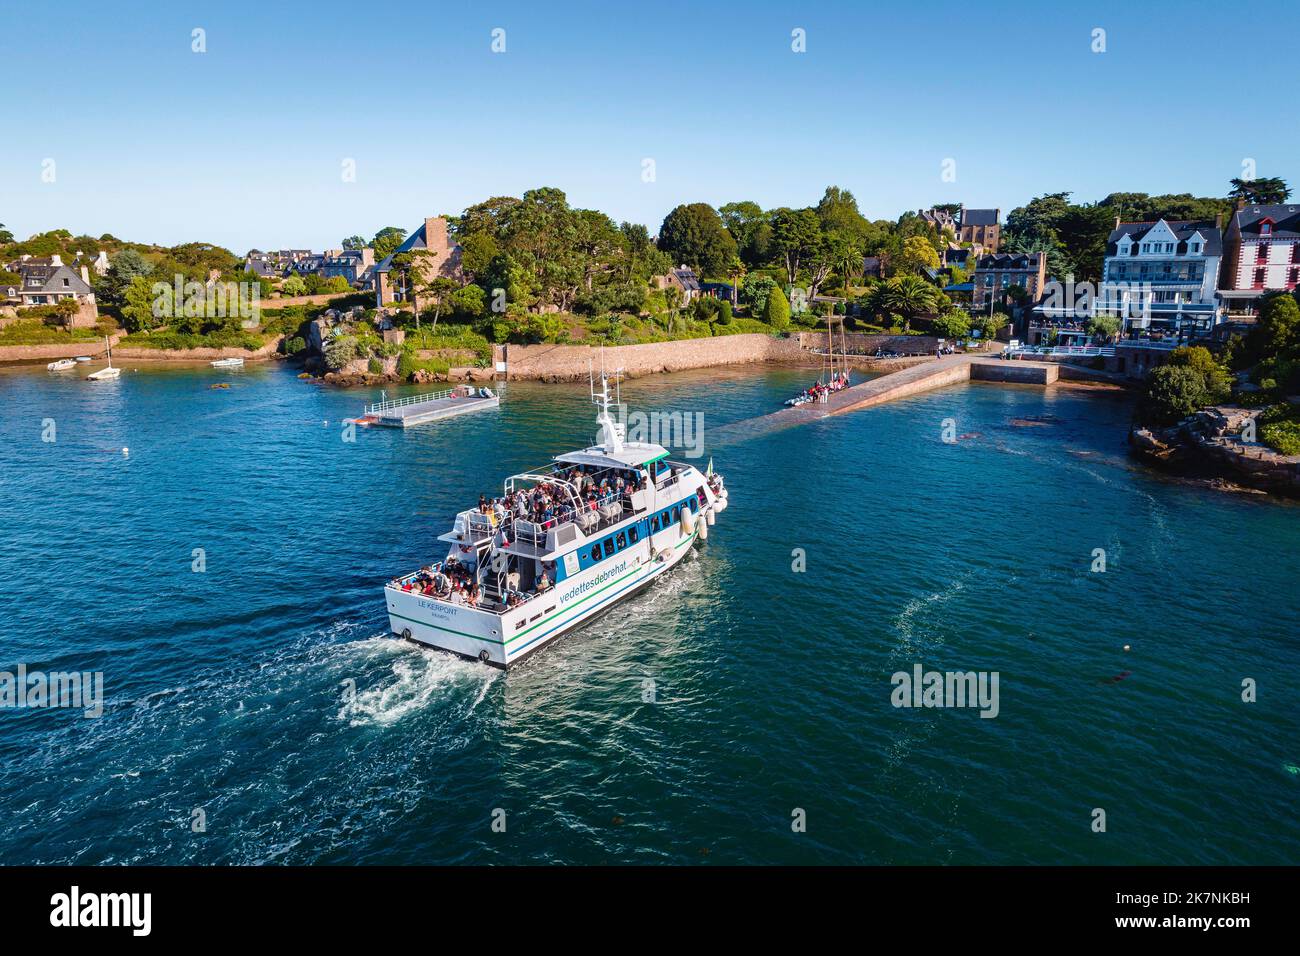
(561,363)
(48,353)
(202,354)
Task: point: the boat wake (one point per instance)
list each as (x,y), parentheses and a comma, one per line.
(418,678)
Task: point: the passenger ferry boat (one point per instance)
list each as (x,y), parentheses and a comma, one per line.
(562,544)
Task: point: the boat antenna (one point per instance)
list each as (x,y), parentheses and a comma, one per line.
(611,434)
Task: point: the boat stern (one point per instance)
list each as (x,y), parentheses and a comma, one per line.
(462,630)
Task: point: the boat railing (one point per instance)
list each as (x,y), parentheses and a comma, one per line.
(394,403)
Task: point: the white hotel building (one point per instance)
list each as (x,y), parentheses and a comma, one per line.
(1162,277)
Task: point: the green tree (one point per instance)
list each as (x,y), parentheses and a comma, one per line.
(66,309)
(386,241)
(477,250)
(952,325)
(5,235)
(294,285)
(440,290)
(124,267)
(1172,392)
(838,212)
(908,296)
(751,228)
(1276,330)
(1218,384)
(143,310)
(694,235)
(1102,327)
(796,235)
(916,254)
(469,301)
(1269,191)
(354,243)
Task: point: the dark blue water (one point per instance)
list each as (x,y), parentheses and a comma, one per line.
(228,690)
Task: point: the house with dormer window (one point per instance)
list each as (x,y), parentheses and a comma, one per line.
(1161,278)
(1261,253)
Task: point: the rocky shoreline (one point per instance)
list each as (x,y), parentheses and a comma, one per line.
(1208,445)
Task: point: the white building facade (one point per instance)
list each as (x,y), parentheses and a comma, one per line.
(1162,277)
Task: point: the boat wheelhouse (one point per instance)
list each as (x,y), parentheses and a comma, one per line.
(561,544)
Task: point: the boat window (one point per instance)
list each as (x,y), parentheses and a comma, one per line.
(622,541)
(654,524)
(609,547)
(675,514)
(632,535)
(595,553)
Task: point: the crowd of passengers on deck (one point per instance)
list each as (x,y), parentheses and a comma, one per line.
(449,580)
(549,503)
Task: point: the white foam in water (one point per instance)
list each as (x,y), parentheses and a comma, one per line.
(419,678)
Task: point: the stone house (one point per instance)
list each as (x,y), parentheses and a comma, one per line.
(45,280)
(444,259)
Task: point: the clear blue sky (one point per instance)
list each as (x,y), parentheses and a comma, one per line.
(243,145)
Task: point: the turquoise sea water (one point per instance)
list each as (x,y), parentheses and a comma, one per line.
(227,690)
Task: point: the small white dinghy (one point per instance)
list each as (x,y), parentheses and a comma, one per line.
(62,365)
(107,373)
(227,363)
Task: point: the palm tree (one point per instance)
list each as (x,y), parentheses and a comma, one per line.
(907,295)
(735,272)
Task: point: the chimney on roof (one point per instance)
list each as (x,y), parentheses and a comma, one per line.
(56,260)
(85,275)
(1117,222)
(435,235)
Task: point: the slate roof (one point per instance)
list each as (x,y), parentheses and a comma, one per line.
(51,279)
(1286,220)
(1183,229)
(1007,260)
(687,279)
(979,217)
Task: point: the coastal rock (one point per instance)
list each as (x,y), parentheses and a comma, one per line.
(1210,442)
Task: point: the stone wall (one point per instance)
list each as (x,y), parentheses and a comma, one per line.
(288,300)
(865,343)
(1024,373)
(572,362)
(47,353)
(203,354)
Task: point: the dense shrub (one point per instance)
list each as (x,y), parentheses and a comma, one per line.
(776,310)
(339,351)
(1280,429)
(1172,393)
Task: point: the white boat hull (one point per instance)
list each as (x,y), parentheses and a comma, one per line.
(505,639)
